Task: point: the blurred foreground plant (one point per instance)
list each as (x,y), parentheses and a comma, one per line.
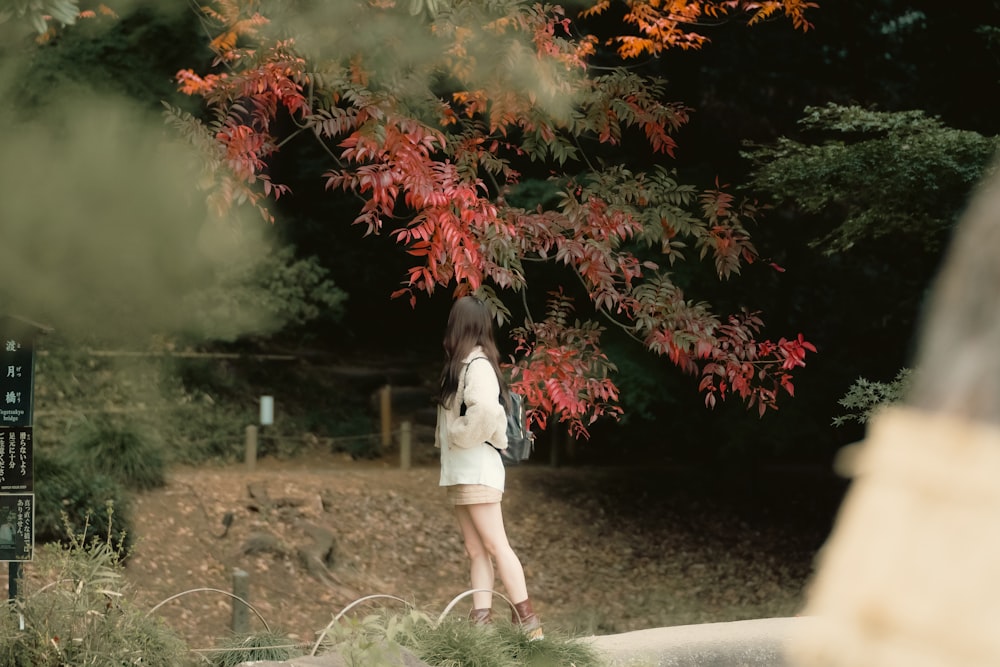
(74,609)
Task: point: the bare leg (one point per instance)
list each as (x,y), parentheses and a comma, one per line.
(481,568)
(487,522)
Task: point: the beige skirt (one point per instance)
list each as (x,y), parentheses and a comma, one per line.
(473,494)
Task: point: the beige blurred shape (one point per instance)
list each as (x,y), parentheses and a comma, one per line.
(910,576)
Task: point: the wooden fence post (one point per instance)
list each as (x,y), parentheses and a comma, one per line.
(241,612)
(250,455)
(405,445)
(386,413)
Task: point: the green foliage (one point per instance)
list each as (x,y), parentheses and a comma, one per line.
(254,647)
(371,641)
(75,610)
(875,186)
(534,193)
(865,397)
(874,174)
(167,409)
(378,639)
(68,502)
(135,54)
(180,410)
(38,12)
(202,433)
(642,385)
(72,380)
(457,643)
(210,404)
(131,454)
(222,398)
(262,295)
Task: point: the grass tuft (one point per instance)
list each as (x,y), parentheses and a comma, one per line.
(457,643)
(254,647)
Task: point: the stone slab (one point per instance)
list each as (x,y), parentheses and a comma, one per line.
(751,643)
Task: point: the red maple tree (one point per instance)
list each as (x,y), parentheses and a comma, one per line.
(429,123)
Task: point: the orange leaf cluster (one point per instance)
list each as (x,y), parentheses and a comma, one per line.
(247,100)
(665,24)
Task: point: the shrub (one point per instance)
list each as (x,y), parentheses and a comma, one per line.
(67,502)
(129,453)
(261,292)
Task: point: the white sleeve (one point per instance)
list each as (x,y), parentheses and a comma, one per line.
(484,413)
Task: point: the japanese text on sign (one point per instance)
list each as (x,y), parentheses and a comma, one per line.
(17,518)
(16,456)
(15,382)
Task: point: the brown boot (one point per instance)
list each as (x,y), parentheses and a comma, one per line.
(524,615)
(481,616)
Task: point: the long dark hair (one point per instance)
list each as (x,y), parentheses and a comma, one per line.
(469,324)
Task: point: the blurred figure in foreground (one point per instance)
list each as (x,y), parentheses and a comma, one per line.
(910,576)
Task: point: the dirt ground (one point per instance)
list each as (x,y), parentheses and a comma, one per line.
(604,550)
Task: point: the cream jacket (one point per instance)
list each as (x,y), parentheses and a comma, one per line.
(466,458)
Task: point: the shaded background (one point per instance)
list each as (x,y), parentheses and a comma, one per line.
(748,85)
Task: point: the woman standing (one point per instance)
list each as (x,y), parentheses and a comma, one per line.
(471,429)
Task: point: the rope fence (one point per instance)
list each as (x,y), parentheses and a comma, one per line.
(381,440)
(403,436)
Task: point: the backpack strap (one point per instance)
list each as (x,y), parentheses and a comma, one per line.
(466,379)
(469,363)
(499,398)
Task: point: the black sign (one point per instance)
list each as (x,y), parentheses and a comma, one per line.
(17,526)
(17,503)
(16,456)
(16,378)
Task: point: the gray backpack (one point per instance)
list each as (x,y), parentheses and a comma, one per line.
(520,440)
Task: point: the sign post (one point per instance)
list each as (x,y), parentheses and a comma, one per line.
(266,410)
(17,497)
